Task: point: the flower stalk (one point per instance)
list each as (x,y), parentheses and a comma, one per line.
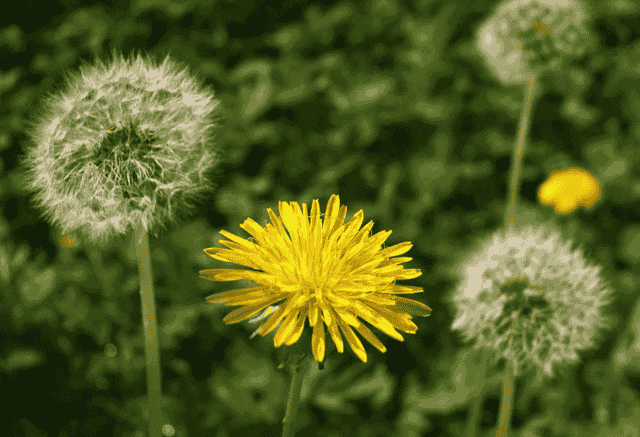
(506,403)
(508,385)
(298,371)
(510,214)
(150,326)
(518,151)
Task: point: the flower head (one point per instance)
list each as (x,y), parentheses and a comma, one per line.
(529,298)
(124,143)
(567,189)
(524,36)
(330,272)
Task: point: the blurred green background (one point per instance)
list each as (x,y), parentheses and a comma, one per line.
(386,103)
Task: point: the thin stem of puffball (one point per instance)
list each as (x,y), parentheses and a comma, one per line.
(152,346)
(518,152)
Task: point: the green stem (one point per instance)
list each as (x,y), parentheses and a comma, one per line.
(506,405)
(518,152)
(152,346)
(508,387)
(289,428)
(510,212)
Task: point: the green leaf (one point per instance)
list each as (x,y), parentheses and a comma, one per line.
(38,286)
(21,359)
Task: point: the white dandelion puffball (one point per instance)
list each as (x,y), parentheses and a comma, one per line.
(124,143)
(523,36)
(525,295)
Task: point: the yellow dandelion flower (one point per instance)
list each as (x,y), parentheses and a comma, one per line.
(567,189)
(331,272)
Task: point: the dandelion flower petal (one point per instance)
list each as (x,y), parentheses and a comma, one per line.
(353,340)
(296,332)
(239,297)
(286,328)
(273,321)
(244,312)
(368,335)
(380,321)
(412,307)
(330,318)
(317,342)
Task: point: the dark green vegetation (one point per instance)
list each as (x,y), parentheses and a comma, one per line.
(386,103)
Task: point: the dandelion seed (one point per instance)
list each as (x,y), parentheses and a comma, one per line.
(331,273)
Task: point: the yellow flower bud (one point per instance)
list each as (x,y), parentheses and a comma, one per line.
(567,189)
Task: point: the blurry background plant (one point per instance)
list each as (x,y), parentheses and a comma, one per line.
(388,104)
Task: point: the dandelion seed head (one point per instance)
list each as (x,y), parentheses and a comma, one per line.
(530,298)
(125,142)
(523,37)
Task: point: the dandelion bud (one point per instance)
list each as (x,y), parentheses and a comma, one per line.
(122,144)
(523,37)
(529,298)
(567,189)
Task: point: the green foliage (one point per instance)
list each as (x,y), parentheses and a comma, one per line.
(388,104)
